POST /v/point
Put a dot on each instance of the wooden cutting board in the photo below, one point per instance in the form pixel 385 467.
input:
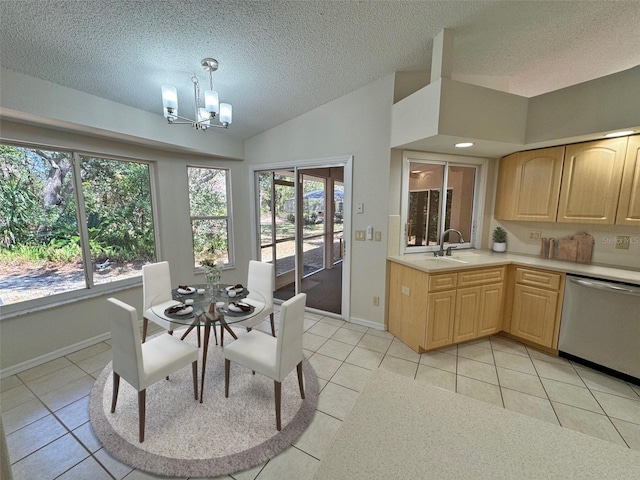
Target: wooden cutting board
pixel 584 247
pixel 567 249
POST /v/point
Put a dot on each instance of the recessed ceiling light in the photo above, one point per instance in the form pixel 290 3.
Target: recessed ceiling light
pixel 619 134
pixel 464 144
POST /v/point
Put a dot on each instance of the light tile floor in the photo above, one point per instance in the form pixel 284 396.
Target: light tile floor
pixel 46 418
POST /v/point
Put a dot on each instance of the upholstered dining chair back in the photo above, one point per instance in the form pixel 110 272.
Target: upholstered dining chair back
pixel 272 357
pixel 143 364
pixel 156 284
pixel 125 342
pixel 261 279
pixel 289 341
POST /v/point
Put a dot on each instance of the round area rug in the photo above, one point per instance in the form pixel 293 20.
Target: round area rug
pixel 185 438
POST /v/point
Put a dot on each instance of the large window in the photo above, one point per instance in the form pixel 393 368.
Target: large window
pixel 70 221
pixel 438 195
pixel 210 214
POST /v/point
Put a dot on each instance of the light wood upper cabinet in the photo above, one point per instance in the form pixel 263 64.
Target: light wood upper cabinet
pixel 629 202
pixel 529 185
pixel 591 179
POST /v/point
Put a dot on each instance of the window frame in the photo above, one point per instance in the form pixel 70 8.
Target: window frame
pixel 90 289
pixel 230 264
pixel 446 161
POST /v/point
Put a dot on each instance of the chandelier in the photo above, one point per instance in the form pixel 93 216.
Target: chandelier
pixel 204 116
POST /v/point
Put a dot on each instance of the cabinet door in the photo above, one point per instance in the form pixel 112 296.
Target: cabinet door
pixel 534 314
pixel 529 185
pixel 407 304
pixel 491 310
pixel 591 178
pixel 468 302
pixel 629 202
pixel 440 317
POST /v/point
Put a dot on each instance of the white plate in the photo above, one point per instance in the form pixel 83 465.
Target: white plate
pixel 236 309
pixel 185 311
pixel 237 290
pixel 186 291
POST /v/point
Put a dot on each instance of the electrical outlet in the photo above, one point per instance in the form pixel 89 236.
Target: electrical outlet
pixel 377 236
pixel 622 242
pixel 534 235
pixel 360 235
pixel 376 301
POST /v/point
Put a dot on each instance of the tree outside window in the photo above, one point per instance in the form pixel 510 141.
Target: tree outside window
pixel 209 211
pixel 44 249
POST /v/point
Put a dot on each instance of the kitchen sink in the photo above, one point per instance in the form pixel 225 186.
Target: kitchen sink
pixel 445 260
pixel 458 257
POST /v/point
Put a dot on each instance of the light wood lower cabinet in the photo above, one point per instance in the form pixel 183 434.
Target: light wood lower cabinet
pixel 440 317
pixel 537 302
pixel 407 304
pixel 463 306
pixel 427 311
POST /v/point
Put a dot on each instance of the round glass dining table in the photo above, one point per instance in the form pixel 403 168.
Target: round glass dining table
pixel 208 308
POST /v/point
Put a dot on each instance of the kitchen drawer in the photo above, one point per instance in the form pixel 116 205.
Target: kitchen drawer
pixel 538 278
pixel 445 281
pixel 472 278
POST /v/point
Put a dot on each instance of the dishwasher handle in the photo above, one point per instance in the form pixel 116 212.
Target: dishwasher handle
pixel 626 290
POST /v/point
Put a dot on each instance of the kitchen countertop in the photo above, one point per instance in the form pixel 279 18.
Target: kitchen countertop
pixel 466 259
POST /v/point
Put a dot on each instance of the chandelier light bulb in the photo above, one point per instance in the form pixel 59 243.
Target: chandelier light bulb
pixel 204 116
pixel 225 113
pixel 211 102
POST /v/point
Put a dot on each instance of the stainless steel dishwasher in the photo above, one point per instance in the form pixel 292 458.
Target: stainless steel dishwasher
pixel 600 325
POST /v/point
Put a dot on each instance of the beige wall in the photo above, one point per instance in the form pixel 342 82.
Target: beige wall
pixel 356 124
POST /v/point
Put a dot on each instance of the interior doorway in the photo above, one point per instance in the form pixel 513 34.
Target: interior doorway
pixel 301 213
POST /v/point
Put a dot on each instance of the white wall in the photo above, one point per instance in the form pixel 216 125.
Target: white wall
pixel 357 124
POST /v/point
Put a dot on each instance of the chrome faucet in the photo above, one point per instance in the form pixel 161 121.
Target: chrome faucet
pixel 441 252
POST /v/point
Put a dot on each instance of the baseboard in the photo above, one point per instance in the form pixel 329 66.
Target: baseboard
pixel 367 323
pixel 34 362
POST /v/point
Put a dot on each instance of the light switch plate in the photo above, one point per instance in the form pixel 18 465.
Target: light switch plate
pixel 360 235
pixel 377 236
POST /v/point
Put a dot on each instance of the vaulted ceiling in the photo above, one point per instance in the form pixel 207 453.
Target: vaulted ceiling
pixel 279 59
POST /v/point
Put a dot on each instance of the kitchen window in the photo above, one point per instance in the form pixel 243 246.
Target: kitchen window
pixel 210 211
pixel 70 221
pixel 439 193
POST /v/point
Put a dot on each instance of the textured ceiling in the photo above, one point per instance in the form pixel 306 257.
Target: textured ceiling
pixel 279 59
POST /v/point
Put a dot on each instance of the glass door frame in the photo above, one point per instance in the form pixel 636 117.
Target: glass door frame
pixel 346 163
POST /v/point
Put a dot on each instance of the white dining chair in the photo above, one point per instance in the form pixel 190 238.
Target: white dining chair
pixel 156 292
pixel 261 279
pixel 143 364
pixel 261 283
pixel 271 356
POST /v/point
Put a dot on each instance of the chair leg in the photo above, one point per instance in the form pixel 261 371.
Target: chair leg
pixel 142 410
pixel 227 367
pixel 278 389
pixel 300 384
pixel 273 325
pixel 114 395
pixel 194 368
pixel 145 325
pixel 221 335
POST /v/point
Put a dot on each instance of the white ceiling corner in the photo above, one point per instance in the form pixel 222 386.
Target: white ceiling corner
pixel 279 59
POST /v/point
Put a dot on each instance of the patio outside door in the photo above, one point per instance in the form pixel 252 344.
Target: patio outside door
pixel 301 213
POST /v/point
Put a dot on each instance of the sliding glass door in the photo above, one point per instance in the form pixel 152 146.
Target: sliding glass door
pixel 300 221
